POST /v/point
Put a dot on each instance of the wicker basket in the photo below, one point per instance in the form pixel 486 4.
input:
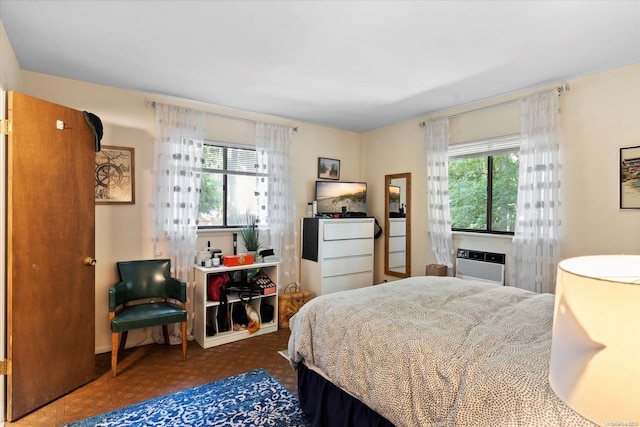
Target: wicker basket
pixel 289 302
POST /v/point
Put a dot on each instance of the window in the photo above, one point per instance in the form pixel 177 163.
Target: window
pixel 483 185
pixel 228 185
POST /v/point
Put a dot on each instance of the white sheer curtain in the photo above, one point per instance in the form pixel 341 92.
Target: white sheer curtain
pixel 536 241
pixel 276 195
pixel 179 137
pixel 437 146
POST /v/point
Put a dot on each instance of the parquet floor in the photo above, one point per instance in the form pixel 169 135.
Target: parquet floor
pixel 155 370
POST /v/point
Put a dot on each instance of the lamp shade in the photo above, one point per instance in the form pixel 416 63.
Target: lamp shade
pixel 595 349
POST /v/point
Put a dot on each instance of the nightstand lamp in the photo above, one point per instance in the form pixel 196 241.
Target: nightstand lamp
pixel 595 350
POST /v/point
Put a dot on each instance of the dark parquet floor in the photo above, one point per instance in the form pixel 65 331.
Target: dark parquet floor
pixel 154 370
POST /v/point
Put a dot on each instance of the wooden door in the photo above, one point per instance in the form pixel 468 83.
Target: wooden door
pixel 50 232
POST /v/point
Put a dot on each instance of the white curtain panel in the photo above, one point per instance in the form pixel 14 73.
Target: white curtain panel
pixel 536 241
pixel 179 138
pixel 439 215
pixel 276 195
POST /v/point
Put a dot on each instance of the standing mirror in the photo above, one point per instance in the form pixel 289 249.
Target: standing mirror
pixel 397 239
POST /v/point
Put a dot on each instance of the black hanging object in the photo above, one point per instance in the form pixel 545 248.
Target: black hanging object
pixel 379 230
pixel 95 124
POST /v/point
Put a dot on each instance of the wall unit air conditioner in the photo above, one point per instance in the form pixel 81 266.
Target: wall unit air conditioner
pixel 482 266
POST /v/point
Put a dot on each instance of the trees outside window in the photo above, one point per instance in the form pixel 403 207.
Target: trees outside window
pixel 228 186
pixel 483 191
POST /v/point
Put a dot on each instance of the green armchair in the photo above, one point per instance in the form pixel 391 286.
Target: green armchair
pixel 146 296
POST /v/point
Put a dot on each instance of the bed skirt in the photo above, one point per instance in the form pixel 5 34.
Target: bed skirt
pixel 327 405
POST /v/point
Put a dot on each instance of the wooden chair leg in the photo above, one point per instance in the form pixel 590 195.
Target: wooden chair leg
pixel 165 333
pixel 114 353
pixel 184 341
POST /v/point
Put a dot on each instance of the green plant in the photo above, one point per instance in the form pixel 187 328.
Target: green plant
pixel 250 234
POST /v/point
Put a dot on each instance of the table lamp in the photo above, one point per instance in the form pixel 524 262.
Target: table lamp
pixel 595 349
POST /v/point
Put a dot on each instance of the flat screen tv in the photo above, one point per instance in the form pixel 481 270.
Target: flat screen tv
pixel 341 197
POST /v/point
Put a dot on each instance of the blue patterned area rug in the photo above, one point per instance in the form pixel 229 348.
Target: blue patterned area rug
pixel 254 398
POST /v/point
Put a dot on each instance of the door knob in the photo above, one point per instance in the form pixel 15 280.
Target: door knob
pixel 89 261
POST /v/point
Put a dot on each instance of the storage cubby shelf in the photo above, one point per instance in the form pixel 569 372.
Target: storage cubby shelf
pixel 206 311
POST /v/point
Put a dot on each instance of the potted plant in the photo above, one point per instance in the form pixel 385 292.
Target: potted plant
pixel 250 235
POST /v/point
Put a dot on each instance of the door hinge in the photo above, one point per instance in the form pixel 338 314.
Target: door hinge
pixel 5 127
pixel 3 367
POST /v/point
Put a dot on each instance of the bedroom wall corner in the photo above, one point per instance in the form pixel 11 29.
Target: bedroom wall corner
pixel 10 72
pixel 600 115
pixel 397 149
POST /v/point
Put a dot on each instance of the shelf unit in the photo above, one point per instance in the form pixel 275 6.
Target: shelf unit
pixel 205 309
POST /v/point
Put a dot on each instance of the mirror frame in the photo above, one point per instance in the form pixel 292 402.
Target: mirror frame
pixel 387 182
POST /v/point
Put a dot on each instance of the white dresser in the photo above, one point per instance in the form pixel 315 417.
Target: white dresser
pixel 337 254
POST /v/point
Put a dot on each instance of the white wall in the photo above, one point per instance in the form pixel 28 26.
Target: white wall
pixel 600 114
pixel 9 67
pixel 392 150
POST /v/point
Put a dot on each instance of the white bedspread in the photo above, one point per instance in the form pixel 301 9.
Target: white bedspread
pixel 437 351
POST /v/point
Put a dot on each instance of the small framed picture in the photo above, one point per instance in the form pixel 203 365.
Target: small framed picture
pixel 328 168
pixel 630 178
pixel 115 168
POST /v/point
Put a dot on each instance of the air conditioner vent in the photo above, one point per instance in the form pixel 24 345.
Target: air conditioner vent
pixel 479 265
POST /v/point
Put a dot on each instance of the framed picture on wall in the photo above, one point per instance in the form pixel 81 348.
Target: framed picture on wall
pixel 328 168
pixel 115 174
pixel 630 178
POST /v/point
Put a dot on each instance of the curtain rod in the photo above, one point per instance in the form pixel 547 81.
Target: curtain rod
pixel 153 104
pixel 560 89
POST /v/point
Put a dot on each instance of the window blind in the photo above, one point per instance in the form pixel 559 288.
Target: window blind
pixel 489 146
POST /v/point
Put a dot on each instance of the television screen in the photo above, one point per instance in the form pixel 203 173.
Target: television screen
pixel 340 197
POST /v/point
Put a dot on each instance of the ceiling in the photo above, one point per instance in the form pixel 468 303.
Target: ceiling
pixel 351 65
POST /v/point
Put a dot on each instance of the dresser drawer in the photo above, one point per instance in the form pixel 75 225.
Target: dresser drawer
pixel 397 244
pixel 397 260
pixel 342 248
pixel 348 229
pixel 349 265
pixel 397 227
pixel 346 282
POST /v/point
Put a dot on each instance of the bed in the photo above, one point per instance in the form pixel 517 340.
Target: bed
pixel 427 351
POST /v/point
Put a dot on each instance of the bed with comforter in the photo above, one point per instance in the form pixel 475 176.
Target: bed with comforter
pixel 428 351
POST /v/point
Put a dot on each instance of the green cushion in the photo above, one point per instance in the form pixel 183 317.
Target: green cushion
pixel 146 315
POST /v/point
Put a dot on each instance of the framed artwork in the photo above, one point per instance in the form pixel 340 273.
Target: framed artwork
pixel 115 173
pixel 328 168
pixel 630 178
